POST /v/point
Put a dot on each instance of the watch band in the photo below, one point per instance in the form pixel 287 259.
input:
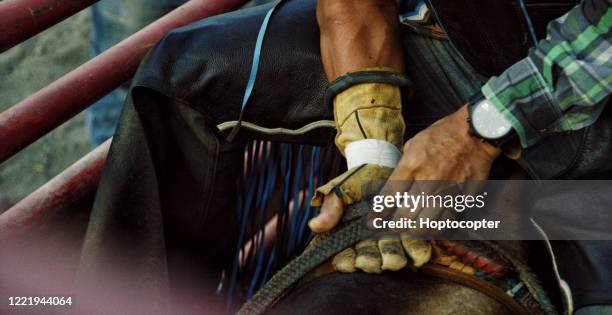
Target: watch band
pixel 502 142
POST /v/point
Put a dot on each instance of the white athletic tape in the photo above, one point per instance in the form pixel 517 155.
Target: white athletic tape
pixel 372 151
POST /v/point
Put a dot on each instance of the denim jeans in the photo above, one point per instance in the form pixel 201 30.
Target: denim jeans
pixel 113 21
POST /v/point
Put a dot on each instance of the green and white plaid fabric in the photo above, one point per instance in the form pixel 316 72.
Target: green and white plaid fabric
pixel 564 82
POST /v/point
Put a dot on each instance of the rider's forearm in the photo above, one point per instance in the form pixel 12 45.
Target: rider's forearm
pixel 359 34
pixel 361 37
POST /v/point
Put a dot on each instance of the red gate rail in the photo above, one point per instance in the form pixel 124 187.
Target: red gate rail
pixel 74 184
pixel 22 19
pixel 48 108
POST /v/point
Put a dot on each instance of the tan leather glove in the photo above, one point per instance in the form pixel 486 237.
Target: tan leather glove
pixel 370 112
pixel 364 111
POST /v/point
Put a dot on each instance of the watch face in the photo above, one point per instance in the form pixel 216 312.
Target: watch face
pixel 488 122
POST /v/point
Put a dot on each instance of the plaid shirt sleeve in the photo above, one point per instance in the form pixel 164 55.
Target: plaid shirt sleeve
pixel 564 82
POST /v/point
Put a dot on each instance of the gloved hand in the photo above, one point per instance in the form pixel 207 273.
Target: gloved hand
pixel 370 131
pixel 388 254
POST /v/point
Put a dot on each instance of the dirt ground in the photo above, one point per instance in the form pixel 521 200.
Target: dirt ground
pixel 25 69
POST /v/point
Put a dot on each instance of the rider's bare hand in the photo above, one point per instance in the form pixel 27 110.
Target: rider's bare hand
pixel 446 151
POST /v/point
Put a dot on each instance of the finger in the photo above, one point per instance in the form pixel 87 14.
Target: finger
pixel 440 213
pixel 427 208
pixel 392 253
pixel 368 257
pixel 419 251
pixel 400 181
pixel 392 188
pixel 345 261
pixel 462 267
pixel 329 215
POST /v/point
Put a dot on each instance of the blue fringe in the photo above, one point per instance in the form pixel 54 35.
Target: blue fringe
pixel 278 179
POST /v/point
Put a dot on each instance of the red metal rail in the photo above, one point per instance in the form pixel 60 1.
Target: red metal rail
pixel 48 108
pixel 22 19
pixel 74 184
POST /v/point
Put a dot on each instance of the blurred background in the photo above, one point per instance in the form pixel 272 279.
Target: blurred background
pixel 25 69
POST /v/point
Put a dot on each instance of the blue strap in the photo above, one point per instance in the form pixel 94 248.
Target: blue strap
pixel 254 68
pixel 527 18
pixel 257 56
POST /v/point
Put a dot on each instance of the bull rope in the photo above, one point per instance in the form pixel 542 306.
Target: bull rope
pixel 343 237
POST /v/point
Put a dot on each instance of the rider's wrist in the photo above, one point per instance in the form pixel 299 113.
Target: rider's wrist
pixel 483 146
pixel 492 151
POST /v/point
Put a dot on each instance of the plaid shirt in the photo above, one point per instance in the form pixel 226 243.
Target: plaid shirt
pixel 564 82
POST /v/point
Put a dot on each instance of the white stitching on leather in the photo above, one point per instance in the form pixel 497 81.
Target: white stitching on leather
pixel 278 131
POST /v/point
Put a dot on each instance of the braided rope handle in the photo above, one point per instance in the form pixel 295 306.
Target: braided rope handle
pixel 311 258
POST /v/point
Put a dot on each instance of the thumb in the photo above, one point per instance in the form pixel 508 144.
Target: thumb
pixel 329 215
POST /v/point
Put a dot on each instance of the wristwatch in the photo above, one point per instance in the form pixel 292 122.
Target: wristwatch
pixel 489 124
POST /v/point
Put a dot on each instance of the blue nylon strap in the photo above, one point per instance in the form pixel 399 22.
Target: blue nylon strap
pixel 527 18
pixel 254 67
pixel 257 56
